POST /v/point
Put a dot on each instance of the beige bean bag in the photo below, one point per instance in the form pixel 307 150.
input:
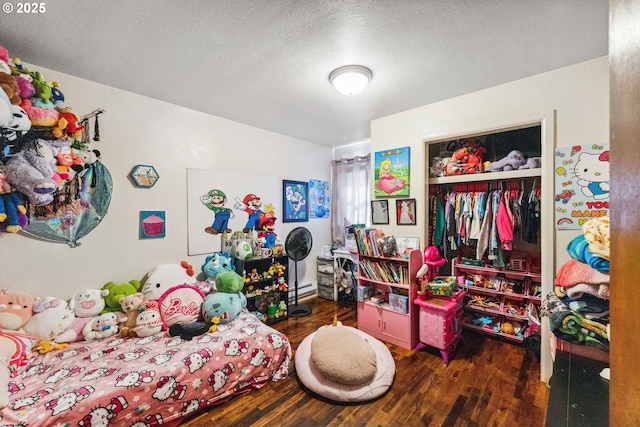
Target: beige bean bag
pixel 344 364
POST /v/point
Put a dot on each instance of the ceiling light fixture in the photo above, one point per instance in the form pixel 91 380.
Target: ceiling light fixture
pixel 350 79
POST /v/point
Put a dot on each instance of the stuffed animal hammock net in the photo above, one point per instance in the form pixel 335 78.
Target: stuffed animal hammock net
pixel 79 208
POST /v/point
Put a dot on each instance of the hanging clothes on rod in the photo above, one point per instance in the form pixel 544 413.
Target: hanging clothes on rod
pixel 489 216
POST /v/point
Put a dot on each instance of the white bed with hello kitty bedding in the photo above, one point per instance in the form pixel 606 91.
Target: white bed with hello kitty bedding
pixel 145 381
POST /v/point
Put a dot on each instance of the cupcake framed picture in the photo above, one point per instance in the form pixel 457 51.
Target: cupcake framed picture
pixel 152 224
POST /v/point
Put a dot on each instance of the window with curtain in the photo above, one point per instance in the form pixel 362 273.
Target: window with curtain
pixel 350 194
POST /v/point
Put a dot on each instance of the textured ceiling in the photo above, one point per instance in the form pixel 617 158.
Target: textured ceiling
pixel 266 63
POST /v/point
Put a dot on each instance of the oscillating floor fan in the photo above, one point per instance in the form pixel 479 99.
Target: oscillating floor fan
pixel 298 245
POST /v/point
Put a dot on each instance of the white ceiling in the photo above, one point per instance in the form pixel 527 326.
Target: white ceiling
pixel 266 63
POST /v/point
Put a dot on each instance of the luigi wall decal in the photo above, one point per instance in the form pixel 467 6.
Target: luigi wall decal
pixel 215 201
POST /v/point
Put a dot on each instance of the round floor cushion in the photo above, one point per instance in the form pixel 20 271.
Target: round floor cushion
pixel 343 356
pixel 312 377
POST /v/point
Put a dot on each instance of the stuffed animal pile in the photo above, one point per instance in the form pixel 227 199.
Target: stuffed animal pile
pixel 42 145
pixel 169 300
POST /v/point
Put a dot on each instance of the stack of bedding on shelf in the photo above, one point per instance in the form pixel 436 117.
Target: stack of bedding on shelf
pixel 578 309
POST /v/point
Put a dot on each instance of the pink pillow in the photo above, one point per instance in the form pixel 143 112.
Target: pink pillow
pixel 180 305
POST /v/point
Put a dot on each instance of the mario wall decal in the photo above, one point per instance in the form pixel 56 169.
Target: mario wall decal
pixel 250 204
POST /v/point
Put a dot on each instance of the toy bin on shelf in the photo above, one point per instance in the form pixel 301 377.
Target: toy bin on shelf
pixel 440 324
pixel 443 285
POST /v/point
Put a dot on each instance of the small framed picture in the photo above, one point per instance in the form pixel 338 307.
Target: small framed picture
pixel 406 211
pixel 295 201
pixel 406 244
pixel 152 224
pixel 380 212
pixel 144 176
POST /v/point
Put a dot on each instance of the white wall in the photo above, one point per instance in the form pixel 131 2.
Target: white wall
pixel 139 130
pixel 349 151
pixel 579 94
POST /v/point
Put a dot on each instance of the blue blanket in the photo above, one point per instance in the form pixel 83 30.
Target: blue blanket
pixel 578 249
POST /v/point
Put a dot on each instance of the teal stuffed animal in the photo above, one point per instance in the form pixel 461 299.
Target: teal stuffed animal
pixel 217 263
pixel 223 305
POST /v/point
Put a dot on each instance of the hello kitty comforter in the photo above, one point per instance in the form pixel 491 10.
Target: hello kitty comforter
pixel 146 381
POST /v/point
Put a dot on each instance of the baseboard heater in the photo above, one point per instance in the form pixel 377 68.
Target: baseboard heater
pixel 302 293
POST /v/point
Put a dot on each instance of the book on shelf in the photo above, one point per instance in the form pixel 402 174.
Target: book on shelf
pixel 384 271
pixel 368 241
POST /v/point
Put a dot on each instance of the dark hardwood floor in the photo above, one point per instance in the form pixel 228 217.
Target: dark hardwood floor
pixel 487 383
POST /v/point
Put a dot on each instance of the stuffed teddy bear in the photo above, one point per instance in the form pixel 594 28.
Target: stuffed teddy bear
pixel 130 304
pixel 31 175
pixel 148 321
pixel 511 161
pixel 103 326
pixel 53 320
pixel 164 276
pixel 10 86
pixel 117 291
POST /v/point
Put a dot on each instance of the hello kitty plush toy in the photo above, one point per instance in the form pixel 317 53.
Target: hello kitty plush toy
pixel 165 276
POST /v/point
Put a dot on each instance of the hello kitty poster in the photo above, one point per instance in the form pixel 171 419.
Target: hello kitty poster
pixel 581 184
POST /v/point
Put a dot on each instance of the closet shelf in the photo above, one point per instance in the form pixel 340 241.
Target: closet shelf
pixel 487 176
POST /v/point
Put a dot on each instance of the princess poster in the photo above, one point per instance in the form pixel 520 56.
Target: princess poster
pixel 392 172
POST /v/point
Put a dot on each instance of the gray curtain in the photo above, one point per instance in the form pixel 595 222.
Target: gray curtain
pixel 350 195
